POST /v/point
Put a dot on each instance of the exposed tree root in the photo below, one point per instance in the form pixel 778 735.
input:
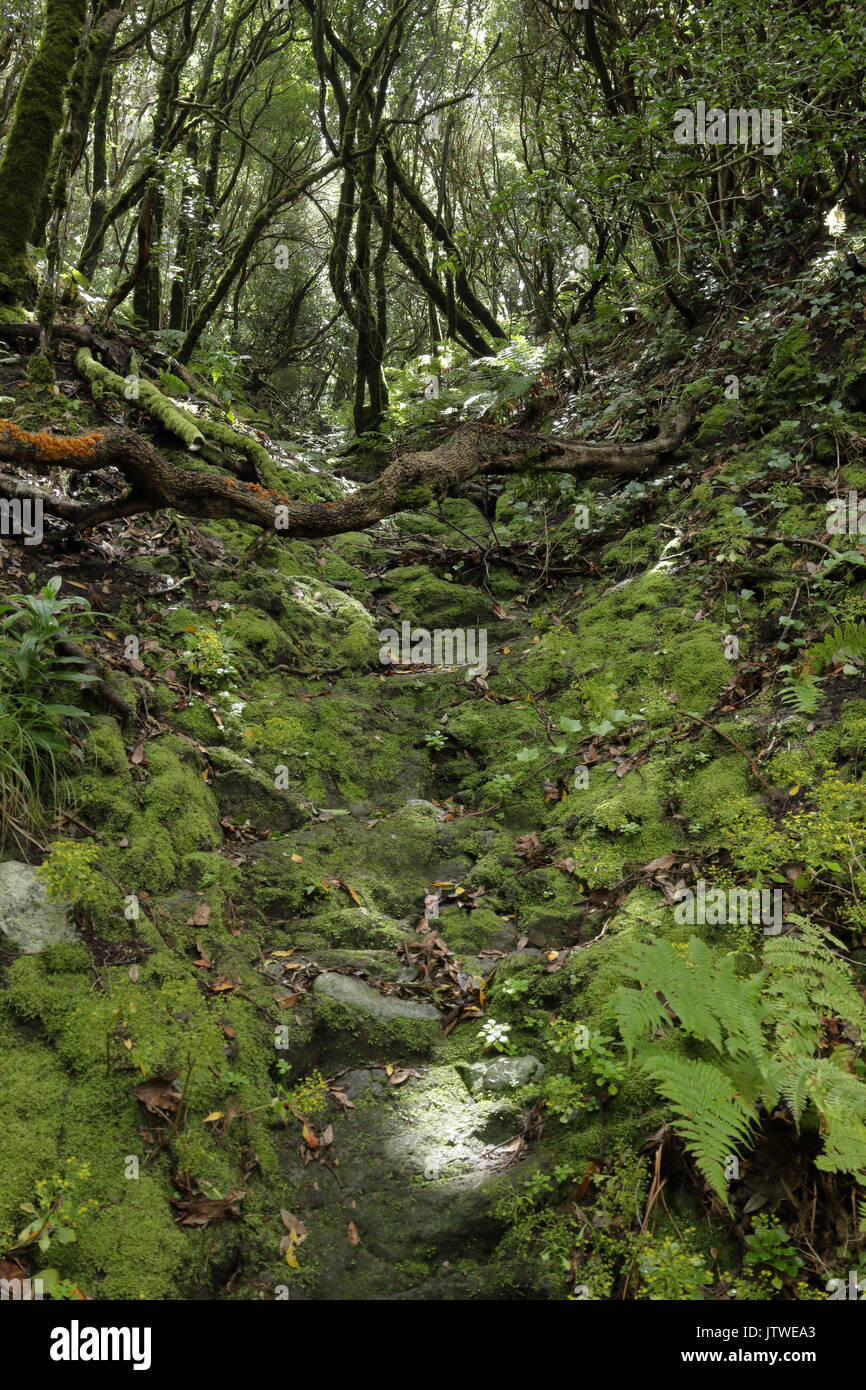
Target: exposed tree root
pixel 99 687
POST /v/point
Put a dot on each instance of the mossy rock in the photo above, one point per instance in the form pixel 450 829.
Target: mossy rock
pixel 434 603
pixel 244 793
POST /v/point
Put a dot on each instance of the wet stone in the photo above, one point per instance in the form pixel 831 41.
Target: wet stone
pixel 501 1073
pixel 346 989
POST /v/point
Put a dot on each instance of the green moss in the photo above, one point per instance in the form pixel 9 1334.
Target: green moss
pixel 721 424
pixel 434 603
pixel 40 369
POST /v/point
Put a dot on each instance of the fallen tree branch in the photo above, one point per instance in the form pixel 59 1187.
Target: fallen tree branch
pixel 156 482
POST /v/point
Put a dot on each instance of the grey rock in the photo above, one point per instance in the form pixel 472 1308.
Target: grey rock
pixel 347 989
pixel 502 1073
pixel 29 919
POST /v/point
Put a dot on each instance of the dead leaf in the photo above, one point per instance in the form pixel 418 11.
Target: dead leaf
pixel 353 1233
pixel 286 1001
pixel 159 1095
pixel 200 917
pixel 133 973
pixel 213 1117
pixel 292 1223
pixel 202 1210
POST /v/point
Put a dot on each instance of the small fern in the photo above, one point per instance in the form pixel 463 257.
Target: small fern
pixel 847 643
pixel 759 1039
pixel 801 693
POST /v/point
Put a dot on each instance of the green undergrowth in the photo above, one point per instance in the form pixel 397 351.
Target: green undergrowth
pixel 293 794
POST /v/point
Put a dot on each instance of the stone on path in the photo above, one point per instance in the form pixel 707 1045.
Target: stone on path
pixel 502 1073
pixel 348 989
pixel 29 919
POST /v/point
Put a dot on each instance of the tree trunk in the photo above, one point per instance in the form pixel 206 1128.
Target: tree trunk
pixel 37 118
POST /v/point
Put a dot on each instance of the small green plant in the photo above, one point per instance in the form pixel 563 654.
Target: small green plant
pixel 496 1035
pixel 55 1209
pixel 500 785
pixel 594 1070
pixel 31 626
pixel 68 871
pixel 307 1098
pixel 435 739
pixel 208 656
pixel 32 741
pixel 770 1253
pixel 670 1270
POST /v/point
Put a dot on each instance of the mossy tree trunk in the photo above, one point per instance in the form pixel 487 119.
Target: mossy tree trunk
pixel 37 118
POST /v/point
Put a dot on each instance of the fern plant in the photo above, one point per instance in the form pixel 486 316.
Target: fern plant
pixel 843 644
pixel 747 1041
pixel 801 693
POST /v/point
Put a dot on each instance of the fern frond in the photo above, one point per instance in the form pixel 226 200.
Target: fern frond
pixel 806 984
pixel 711 1117
pixel 846 643
pixel 801 693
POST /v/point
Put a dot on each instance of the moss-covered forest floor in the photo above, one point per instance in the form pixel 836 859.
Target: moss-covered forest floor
pixel 344 871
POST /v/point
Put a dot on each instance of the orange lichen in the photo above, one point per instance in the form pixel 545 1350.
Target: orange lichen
pixel 51 447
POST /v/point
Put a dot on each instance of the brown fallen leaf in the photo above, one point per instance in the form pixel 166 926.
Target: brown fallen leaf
pixel 137 754
pixel 353 1233
pixel 286 1001
pixel 309 1137
pixel 200 917
pixel 133 973
pixel 200 1211
pixel 159 1095
pixel 401 1074
pixel 292 1223
pixel 665 862
pixel 327 1135
pixel 221 983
